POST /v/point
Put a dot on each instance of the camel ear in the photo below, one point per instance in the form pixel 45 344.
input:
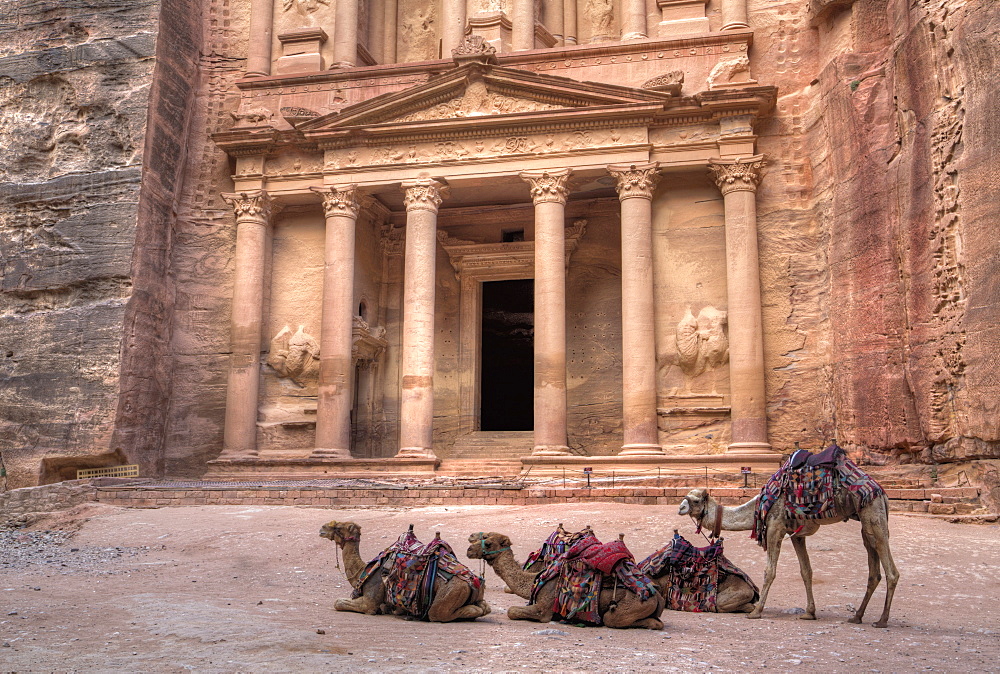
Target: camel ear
pixel 354 528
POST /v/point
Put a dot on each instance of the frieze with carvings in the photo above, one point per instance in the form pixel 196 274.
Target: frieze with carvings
pixel 467 256
pixel 484 148
pixel 292 165
pixel 478 101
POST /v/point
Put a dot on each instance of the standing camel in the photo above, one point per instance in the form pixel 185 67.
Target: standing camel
pixel 617 609
pixel 874 517
pixel 454 598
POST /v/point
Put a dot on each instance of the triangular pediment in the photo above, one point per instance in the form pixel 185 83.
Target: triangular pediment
pixel 477 91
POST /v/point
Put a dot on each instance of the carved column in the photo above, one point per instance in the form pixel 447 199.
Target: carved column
pixel 389 44
pixel 376 29
pixel 633 19
pixel 549 190
pixel 569 22
pixel 555 19
pixel 452 25
pixel 636 183
pixel 333 413
pixel 523 29
pixel 416 425
pixel 738 179
pixel 734 15
pixel 253 214
pixel 345 34
pixel 259 48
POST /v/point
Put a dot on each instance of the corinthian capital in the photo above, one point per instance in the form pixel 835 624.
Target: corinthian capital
pixel 548 185
pixel 255 205
pixel 339 200
pixel 635 180
pixel 424 193
pixel 737 175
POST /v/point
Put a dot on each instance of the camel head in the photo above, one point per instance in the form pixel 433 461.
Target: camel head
pixel 340 532
pixel 487 545
pixel 695 504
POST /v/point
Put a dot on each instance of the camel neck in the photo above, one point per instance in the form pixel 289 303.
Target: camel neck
pixel 510 571
pixel 353 564
pixel 739 518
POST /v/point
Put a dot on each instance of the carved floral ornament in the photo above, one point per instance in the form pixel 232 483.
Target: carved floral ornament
pixel 339 200
pixel 254 205
pixel 422 194
pixel 548 185
pixel 635 180
pixel 738 175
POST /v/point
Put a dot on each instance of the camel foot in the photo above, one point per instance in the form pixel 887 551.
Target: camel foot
pixel 880 623
pixel 807 616
pixel 524 613
pixel 650 624
pixel 484 607
pixel 753 615
pixel 855 620
pixel 507 590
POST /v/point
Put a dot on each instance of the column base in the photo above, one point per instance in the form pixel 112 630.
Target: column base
pixel 736 25
pixel 640 449
pixel 237 454
pixel 627 37
pixel 415 453
pixel 330 453
pixel 551 450
pixel 749 448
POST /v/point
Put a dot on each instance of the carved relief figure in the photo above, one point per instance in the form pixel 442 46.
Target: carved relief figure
pixel 419 41
pixel 724 71
pixel 601 14
pixel 303 6
pixel 702 344
pixel 294 356
pixel 488 6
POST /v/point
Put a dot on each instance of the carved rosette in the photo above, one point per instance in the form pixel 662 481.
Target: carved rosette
pixel 635 180
pixel 548 185
pixel 254 205
pixel 739 175
pixel 423 194
pixel 339 200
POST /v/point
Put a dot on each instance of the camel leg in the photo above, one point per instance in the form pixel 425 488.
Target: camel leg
pixel 360 605
pixel 540 611
pixel 734 596
pixel 775 535
pixel 805 568
pixel 880 538
pixel 633 612
pixel 874 577
pixel 450 599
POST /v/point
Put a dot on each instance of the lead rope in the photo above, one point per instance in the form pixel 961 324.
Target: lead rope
pixel 336 555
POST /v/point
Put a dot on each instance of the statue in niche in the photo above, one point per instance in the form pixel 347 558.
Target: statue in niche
pixel 601 14
pixel 294 356
pixel 418 36
pixel 303 7
pixel 702 344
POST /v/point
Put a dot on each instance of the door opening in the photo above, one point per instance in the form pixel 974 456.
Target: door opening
pixel 507 368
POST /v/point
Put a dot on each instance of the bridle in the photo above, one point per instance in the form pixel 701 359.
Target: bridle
pixel 485 553
pixel 717 529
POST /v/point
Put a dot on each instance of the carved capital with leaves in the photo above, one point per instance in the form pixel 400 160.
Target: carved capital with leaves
pixel 254 205
pixel 422 194
pixel 737 175
pixel 339 200
pixel 635 180
pixel 548 185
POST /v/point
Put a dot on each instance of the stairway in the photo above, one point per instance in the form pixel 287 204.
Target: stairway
pixel 508 445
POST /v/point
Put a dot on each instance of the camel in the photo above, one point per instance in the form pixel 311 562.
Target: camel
pixel 733 594
pixel 617 607
pixel 874 518
pixel 454 598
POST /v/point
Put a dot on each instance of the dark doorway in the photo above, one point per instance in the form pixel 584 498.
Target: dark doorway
pixel 508 356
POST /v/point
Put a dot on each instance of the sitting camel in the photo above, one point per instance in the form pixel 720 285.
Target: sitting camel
pixel 454 598
pixel 735 592
pixel 617 607
pixel 874 517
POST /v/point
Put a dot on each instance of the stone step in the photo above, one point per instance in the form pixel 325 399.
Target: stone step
pixel 493 445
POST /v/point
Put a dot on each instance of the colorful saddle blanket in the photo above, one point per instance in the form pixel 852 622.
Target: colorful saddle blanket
pixel 694 574
pixel 554 546
pixel 409 570
pixel 809 484
pixel 580 571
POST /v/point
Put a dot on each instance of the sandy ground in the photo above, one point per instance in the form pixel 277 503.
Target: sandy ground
pixel 250 589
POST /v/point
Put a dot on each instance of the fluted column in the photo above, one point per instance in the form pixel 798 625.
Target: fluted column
pixel 452 25
pixel 416 424
pixel 333 413
pixel 345 34
pixel 636 183
pixel 633 19
pixel 253 213
pixel 737 180
pixel 734 15
pixel 523 29
pixel 389 43
pixel 569 22
pixel 549 190
pixel 555 20
pixel 259 47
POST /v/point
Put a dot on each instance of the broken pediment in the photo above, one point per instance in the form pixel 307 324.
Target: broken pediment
pixel 476 90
